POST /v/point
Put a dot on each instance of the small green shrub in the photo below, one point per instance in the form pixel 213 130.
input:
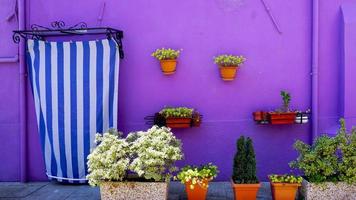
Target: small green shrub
pixel 166 54
pixel 197 174
pixel 286 100
pixel 183 112
pixel 286 178
pixel 347 164
pixel 244 167
pixel 328 159
pixel 229 60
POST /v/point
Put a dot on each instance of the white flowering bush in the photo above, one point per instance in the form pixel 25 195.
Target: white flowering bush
pixel 151 155
pixel 154 153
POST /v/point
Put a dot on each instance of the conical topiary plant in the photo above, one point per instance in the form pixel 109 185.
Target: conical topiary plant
pixel 238 175
pixel 244 181
pixel 244 169
pixel 250 163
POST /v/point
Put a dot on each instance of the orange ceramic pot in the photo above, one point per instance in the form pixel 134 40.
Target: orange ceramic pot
pixel 181 122
pixel 228 73
pixel 198 192
pixel 284 191
pixel 168 66
pixel 245 191
pixel 282 118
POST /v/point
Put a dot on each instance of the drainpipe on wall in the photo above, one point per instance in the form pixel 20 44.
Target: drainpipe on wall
pixel 315 70
pixel 22 96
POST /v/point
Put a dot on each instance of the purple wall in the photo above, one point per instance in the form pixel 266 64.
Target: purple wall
pixel 202 29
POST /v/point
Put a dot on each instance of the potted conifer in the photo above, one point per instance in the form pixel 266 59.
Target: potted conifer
pixel 196 180
pixel 228 65
pixel 168 59
pixel 244 180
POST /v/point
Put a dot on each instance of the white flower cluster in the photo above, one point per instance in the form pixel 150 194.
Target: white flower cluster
pixel 150 154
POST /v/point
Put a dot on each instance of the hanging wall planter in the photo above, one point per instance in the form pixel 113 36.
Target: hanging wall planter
pixel 168 59
pixel 283 115
pixel 228 65
pixel 179 117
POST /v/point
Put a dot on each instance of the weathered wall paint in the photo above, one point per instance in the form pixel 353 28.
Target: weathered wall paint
pixel 202 29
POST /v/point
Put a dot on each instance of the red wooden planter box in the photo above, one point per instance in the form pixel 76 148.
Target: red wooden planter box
pixel 178 122
pixel 282 118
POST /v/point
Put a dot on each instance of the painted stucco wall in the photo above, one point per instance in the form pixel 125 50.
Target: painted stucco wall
pixel 202 29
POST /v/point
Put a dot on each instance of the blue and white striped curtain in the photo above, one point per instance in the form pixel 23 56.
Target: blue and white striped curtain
pixel 75 89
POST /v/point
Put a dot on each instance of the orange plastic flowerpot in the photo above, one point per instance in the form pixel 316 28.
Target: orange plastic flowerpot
pixel 282 118
pixel 284 191
pixel 198 192
pixel 178 122
pixel 168 66
pixel 245 191
pixel 228 73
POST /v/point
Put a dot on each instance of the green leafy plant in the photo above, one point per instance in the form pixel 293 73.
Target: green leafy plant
pixel 150 154
pixel 166 54
pixel 328 159
pixel 347 164
pixel 182 112
pixel 286 101
pixel 244 167
pixel 197 175
pixel 229 60
pixel 286 178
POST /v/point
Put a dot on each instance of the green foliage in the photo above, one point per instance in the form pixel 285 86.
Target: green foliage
pixel 183 112
pixel 286 178
pixel 229 60
pixel 347 165
pixel 328 158
pixel 244 167
pixel 166 54
pixel 286 100
pixel 197 174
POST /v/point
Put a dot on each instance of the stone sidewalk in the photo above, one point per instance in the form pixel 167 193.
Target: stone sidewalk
pixel 55 191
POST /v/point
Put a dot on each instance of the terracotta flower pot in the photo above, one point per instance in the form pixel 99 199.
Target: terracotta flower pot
pixel 282 118
pixel 228 73
pixel 178 122
pixel 198 192
pixel 245 191
pixel 284 191
pixel 257 116
pixel 168 66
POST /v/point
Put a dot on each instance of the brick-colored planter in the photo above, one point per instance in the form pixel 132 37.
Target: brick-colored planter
pixel 328 191
pixel 134 190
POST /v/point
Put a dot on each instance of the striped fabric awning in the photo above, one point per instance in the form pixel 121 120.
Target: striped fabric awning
pixel 75 89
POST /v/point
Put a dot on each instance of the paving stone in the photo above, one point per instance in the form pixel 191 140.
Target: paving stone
pixel 56 191
pixel 19 190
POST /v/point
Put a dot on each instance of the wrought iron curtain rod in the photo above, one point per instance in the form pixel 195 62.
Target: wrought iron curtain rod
pixel 58 29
